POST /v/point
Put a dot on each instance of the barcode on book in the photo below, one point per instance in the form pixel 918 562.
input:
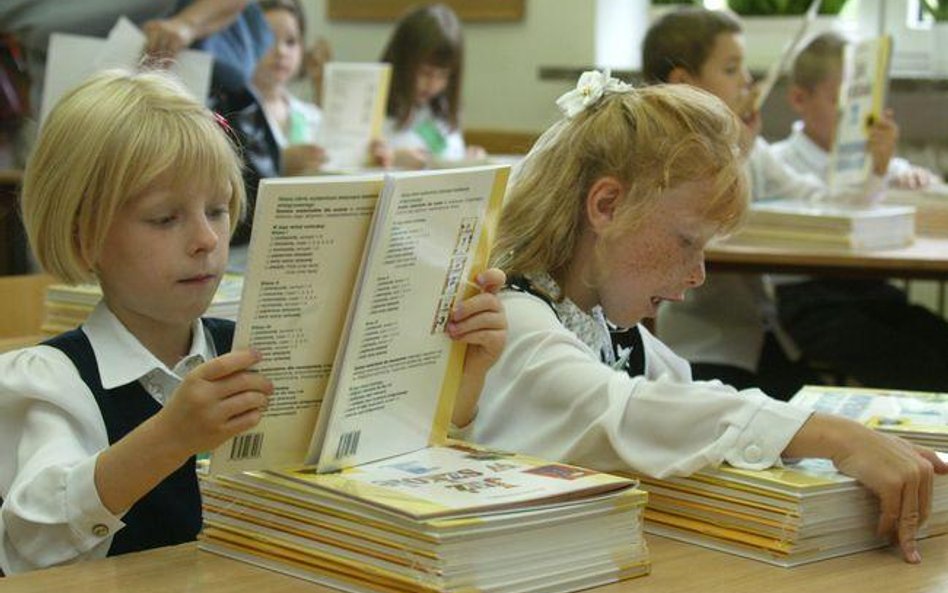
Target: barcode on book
pixel 348 444
pixel 247 446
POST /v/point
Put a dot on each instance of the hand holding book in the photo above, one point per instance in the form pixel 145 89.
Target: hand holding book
pixel 479 322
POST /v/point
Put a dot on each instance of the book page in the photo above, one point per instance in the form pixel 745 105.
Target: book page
pixel 73 58
pixel 307 241
pixel 354 102
pixel 397 373
pixel 861 95
pixel 776 69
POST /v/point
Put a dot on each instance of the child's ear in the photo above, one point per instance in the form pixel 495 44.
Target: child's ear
pixel 679 75
pixel 796 97
pixel 602 201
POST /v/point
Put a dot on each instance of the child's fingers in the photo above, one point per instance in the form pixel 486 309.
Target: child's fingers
pixel 477 304
pixel 484 321
pixel 491 280
pixel 227 364
pixel 240 382
pixel 241 403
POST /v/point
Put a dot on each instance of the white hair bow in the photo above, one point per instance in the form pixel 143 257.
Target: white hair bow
pixel 592 85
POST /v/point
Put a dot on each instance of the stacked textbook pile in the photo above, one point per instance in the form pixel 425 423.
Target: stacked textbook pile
pixel 917 416
pixel 450 518
pixel 67 306
pixel 349 479
pixel 784 516
pixel 826 225
pixel 931 205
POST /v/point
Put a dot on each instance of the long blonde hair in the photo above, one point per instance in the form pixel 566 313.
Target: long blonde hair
pixel 651 140
pixel 106 142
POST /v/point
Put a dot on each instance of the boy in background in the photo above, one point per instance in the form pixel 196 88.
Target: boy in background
pixel 863 328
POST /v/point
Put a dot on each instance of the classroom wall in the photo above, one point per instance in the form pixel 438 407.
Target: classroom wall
pixel 502 89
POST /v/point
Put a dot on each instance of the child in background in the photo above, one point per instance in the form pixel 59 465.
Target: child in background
pixel 99 426
pixel 295 123
pixel 607 217
pixel 729 329
pixel 864 328
pixel 426 52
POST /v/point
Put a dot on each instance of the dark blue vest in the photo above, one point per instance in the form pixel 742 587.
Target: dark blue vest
pixel 171 512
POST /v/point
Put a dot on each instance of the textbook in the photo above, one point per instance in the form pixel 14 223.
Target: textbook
pixel 827 225
pixel 349 285
pixel 67 306
pixel 931 206
pixel 804 512
pixel 862 94
pixel 354 100
pixel 917 416
pixel 776 69
pixel 452 518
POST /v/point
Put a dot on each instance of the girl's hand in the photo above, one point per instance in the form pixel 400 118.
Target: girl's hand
pixel 381 154
pixel 914 178
pixel 475 153
pixel 883 137
pixel 480 322
pixel 217 400
pixel 899 473
pixel 300 159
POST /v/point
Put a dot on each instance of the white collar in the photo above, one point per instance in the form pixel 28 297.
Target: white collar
pixel 122 359
pixel 813 156
pixel 590 327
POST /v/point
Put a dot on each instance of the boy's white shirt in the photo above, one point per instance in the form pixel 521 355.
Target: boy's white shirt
pixel 550 395
pixel 51 432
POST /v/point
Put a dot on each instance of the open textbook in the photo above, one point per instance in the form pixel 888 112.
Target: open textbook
pixel 361 366
pixel 354 102
pixel 73 58
pixel 862 94
pixel 776 69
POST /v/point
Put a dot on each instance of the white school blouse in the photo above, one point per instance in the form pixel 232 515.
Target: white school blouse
pixel 51 432
pixel 549 395
pixel 406 137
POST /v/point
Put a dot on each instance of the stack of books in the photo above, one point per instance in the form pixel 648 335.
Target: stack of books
pixel 784 516
pixel 931 205
pixel 453 518
pixel 917 416
pixel 827 225
pixel 67 307
pixel 349 286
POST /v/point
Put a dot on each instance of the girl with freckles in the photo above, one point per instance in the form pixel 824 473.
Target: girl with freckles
pixel 608 217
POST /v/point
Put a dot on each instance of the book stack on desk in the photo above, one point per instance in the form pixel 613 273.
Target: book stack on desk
pixel 917 416
pixel 931 205
pixel 68 306
pixel 784 516
pixel 824 225
pixel 453 518
pixel 349 285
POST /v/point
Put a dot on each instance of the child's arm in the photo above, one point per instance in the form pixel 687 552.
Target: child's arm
pixel 167 37
pixel 898 472
pixel 216 400
pixel 480 322
pixel 302 159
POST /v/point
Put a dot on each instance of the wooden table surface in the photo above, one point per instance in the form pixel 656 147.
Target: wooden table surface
pixel 676 567
pixel 926 258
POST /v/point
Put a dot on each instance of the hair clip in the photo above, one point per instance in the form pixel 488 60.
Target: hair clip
pixel 590 87
pixel 224 124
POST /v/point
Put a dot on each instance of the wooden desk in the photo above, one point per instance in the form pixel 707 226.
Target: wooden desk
pixel 676 568
pixel 926 258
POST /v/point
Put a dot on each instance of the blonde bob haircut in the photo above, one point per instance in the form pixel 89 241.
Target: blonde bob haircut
pixel 650 140
pixel 108 141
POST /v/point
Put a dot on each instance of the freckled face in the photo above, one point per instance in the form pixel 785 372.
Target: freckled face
pixel 660 259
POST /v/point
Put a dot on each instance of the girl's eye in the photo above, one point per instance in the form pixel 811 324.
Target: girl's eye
pixel 218 212
pixel 162 220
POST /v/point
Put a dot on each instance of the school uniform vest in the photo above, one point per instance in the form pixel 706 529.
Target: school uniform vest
pixel 626 342
pixel 171 512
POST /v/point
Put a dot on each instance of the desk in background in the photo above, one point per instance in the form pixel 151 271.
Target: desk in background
pixel 927 258
pixel 676 568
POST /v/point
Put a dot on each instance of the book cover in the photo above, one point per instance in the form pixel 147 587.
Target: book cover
pixel 347 289
pixel 354 101
pixel 862 93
